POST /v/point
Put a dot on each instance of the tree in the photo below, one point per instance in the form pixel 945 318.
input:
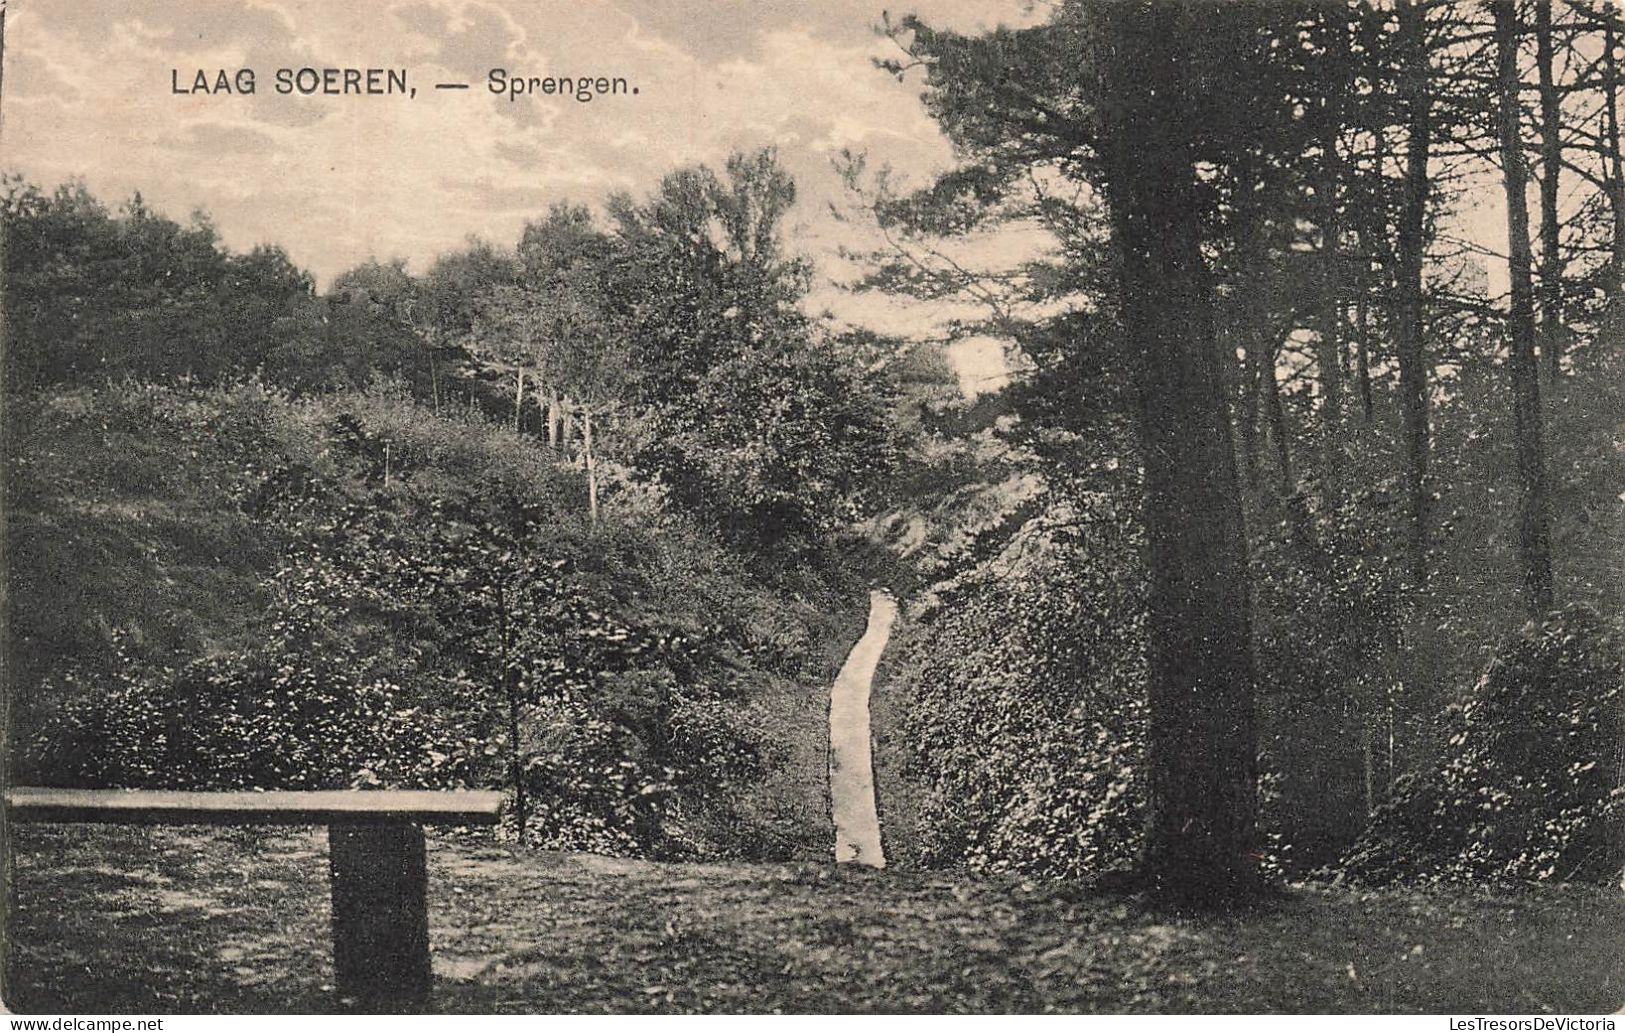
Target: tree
pixel 1119 94
pixel 369 331
pixel 1416 90
pixel 591 367
pixel 1551 152
pixel 754 417
pixel 1534 532
pixel 1328 190
pixel 571 263
pixel 453 307
pixel 570 268
pixel 1203 745
pixel 1613 159
pixel 494 622
pixel 510 329
pixel 96 296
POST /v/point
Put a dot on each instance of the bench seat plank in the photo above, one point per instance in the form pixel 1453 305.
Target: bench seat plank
pixel 312 807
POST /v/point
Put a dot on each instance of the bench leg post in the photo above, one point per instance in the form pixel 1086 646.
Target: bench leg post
pixel 380 915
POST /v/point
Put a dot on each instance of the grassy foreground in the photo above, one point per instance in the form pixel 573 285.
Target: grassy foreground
pixel 118 919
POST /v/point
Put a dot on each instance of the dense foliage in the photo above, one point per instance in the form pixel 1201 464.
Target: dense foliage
pixel 1020 681
pixel 95 296
pixel 1529 786
pixel 1412 489
pixel 758 418
pixel 350 590
pixel 561 517
pixel 671 345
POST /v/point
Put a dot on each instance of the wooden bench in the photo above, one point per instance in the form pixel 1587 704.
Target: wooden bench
pixel 376 862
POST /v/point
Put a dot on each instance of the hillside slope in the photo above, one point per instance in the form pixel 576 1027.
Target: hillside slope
pixel 165 540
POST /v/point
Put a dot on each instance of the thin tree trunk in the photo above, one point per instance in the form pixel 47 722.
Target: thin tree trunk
pixel 1368 762
pixel 1611 141
pixel 1202 740
pixel 1387 780
pixel 434 379
pixel 1551 150
pixel 1416 86
pixel 516 768
pixel 1362 341
pixel 592 465
pixel 1280 436
pixel 518 397
pixel 553 418
pixel 1619 776
pixel 1247 412
pixel 1534 535
pixel 1328 354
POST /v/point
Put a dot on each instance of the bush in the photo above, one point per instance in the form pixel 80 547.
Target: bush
pixel 395 574
pixel 272 719
pixel 1530 789
pixel 1024 690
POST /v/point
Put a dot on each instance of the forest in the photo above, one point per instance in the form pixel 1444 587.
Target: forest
pixel 1289 553
pixel 1299 530
pixel 555 516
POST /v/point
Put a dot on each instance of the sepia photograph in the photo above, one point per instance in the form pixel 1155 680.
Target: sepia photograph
pixel 773 507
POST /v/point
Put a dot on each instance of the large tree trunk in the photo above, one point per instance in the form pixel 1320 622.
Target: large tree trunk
pixel 1249 348
pixel 1551 157
pixel 1417 89
pixel 1232 373
pixel 1202 742
pixel 1534 535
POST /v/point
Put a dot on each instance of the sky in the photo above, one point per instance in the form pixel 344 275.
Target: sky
pixel 336 180
pixel 90 92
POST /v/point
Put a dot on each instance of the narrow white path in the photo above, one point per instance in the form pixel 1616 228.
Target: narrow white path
pixel 851 771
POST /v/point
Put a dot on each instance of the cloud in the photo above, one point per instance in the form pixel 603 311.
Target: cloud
pixel 31 74
pixel 223 138
pixel 178 27
pixel 465 39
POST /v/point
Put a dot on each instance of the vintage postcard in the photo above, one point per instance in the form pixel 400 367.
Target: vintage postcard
pixel 758 506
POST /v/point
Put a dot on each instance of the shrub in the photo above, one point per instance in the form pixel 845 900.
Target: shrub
pixel 1530 787
pixel 272 720
pixel 1024 692
pixel 394 576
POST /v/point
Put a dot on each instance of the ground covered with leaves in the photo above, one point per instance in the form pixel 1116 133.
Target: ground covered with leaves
pixel 124 919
